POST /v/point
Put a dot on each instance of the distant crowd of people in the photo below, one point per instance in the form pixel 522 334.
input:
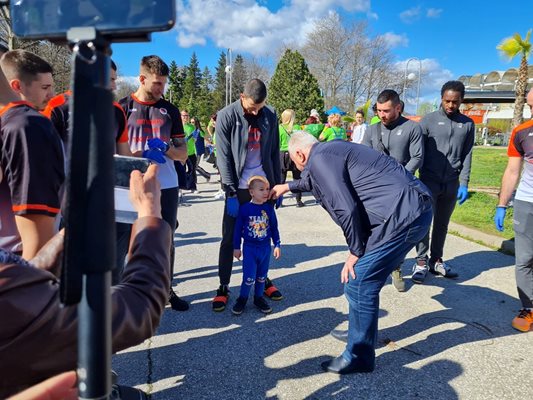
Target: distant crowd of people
pixel 364 177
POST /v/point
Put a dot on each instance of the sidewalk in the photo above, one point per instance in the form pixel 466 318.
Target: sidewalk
pixel 441 340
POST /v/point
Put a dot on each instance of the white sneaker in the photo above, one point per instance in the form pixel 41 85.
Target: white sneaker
pixel 219 195
pixel 419 273
pixel 442 269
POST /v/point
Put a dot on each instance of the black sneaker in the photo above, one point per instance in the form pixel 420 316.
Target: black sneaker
pixel 272 291
pixel 238 308
pixel 263 306
pixel 176 303
pixel 220 300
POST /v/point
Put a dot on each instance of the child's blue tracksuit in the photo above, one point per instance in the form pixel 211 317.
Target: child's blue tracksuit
pixel 256 224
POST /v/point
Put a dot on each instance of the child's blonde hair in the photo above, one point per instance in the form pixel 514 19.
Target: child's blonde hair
pixel 252 182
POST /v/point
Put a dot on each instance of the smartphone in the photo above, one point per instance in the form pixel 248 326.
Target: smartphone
pixel 123 167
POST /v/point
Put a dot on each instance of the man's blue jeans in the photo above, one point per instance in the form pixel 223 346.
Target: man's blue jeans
pixel 362 293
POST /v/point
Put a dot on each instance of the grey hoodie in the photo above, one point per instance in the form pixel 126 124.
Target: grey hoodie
pixel 448 144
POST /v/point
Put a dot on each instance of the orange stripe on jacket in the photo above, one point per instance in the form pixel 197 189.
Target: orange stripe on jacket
pixel 40 207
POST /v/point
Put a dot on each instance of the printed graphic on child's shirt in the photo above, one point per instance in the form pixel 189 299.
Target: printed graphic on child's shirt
pixel 258 225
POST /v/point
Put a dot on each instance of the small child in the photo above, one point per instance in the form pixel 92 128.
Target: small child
pixel 256 224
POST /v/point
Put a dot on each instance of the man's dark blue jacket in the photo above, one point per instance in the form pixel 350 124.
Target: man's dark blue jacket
pixel 368 194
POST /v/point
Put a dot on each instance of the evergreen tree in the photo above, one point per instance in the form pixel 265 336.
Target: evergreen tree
pixel 205 99
pixel 239 77
pixel 219 91
pixel 293 86
pixel 176 78
pixel 191 85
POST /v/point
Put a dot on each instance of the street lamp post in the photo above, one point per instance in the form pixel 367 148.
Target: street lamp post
pixel 411 77
pixel 229 76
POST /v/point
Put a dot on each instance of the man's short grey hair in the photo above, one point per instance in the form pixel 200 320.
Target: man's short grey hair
pixel 301 140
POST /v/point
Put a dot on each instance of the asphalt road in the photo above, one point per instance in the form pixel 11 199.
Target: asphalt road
pixel 446 339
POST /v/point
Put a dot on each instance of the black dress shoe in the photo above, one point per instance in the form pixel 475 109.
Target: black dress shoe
pixel 342 367
pixel 340 335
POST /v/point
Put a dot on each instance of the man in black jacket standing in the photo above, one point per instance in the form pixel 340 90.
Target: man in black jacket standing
pixel 448 143
pixel 383 211
pixel 247 141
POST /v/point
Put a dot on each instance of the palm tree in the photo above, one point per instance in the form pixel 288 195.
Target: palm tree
pixel 510 48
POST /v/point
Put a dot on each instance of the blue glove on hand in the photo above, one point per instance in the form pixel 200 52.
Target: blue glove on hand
pixel 279 201
pixel 500 217
pixel 232 206
pixel 158 144
pixel 155 155
pixel 462 194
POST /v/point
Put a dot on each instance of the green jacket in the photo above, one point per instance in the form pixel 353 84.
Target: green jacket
pixel 284 136
pixel 314 129
pixel 334 133
pixel 191 147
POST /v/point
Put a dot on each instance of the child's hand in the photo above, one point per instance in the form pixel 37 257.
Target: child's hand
pixel 237 254
pixel 277 252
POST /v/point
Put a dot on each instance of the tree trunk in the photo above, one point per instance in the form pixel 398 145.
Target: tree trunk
pixel 520 100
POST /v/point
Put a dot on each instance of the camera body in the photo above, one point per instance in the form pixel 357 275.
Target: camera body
pixel 117 21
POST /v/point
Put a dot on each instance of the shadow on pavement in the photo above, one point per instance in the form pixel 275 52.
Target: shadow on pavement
pixel 237 363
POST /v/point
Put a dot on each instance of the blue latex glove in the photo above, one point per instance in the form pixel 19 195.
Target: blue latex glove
pixel 158 144
pixel 279 201
pixel 462 194
pixel 232 206
pixel 499 218
pixel 155 155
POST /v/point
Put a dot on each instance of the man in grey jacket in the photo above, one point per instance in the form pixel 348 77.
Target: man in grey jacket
pixel 448 143
pixel 400 138
pixel 247 141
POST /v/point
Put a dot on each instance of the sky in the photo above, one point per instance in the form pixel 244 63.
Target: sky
pixel 451 38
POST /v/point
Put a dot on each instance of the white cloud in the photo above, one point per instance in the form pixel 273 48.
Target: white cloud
pixel 394 40
pixel 433 12
pixel 433 77
pixel 249 26
pixel 410 15
pixel 372 15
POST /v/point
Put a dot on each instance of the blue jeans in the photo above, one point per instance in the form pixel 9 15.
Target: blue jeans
pixel 362 293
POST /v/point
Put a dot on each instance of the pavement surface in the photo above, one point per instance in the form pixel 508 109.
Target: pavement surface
pixel 446 339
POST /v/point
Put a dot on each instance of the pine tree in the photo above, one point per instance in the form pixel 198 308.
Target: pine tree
pixel 239 77
pixel 191 86
pixel 176 78
pixel 293 86
pixel 219 91
pixel 205 99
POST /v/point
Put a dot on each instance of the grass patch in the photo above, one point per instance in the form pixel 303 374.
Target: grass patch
pixel 478 213
pixel 488 165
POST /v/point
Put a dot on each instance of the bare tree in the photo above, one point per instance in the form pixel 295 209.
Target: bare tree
pixel 258 68
pixel 350 66
pixel 126 86
pixel 326 54
pixel 59 57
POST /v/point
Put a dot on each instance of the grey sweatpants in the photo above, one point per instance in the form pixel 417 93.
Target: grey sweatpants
pixel 444 197
pixel 523 228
